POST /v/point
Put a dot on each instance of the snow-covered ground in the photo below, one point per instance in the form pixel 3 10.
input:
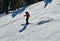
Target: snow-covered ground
pixel 45 24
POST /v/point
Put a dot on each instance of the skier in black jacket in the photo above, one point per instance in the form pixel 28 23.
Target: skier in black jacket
pixel 27 17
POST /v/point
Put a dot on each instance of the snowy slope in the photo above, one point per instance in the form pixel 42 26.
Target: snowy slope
pixel 45 24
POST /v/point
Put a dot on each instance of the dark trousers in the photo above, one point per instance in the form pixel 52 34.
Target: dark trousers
pixel 27 20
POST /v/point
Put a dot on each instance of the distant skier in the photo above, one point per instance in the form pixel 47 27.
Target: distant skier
pixel 27 15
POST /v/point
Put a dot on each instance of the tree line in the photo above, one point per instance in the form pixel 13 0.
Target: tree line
pixel 6 5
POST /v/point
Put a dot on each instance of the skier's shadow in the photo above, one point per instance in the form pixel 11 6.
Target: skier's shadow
pixel 24 27
pixel 39 23
pixel 42 22
pixel 47 2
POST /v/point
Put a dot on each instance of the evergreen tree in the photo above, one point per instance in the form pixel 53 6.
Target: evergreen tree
pixel 5 6
pixel 13 4
pixel 0 6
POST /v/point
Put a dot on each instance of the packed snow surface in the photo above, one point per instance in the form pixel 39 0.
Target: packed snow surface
pixel 44 23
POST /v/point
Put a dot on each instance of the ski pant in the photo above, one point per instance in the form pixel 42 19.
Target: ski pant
pixel 27 20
